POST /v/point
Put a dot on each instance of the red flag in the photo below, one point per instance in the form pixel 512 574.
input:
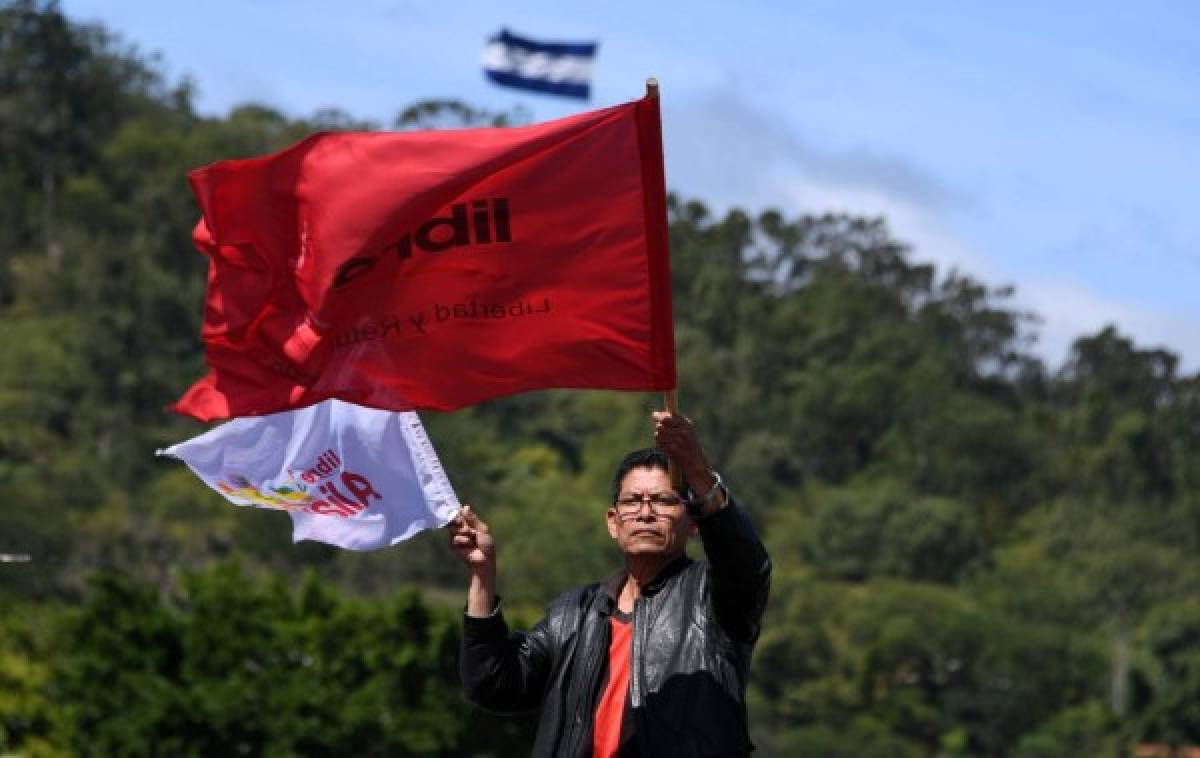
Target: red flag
pixel 437 269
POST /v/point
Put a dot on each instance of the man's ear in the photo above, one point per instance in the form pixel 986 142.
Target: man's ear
pixel 611 519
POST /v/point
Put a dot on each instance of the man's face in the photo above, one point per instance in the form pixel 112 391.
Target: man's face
pixel 655 526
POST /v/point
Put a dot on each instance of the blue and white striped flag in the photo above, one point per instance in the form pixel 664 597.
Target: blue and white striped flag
pixel 556 68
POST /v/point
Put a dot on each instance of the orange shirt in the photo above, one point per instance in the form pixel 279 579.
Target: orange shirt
pixel 606 739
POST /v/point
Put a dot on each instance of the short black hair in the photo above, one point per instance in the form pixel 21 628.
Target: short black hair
pixel 647 457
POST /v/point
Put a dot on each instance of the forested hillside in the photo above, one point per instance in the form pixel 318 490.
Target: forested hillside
pixel 976 554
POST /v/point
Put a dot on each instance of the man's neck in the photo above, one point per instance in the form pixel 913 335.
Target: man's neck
pixel 640 570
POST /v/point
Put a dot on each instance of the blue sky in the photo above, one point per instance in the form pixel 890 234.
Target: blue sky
pixel 1055 147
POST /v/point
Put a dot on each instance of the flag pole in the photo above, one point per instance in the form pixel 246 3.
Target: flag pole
pixel 670 397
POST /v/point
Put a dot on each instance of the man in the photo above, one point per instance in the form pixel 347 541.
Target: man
pixel 652 662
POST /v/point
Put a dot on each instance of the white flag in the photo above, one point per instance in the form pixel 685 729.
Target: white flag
pixel 354 477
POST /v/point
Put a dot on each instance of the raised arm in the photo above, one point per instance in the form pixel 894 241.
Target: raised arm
pixel 741 569
pixel 500 671
pixel 472 541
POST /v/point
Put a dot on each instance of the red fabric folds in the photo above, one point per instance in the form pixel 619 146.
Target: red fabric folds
pixel 434 270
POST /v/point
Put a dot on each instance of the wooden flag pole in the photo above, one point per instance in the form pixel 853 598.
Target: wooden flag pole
pixel 670 397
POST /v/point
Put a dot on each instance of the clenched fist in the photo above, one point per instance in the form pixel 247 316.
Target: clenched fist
pixel 676 437
pixel 471 540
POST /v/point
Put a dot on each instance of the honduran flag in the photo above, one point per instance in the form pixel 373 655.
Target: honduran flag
pixel 556 68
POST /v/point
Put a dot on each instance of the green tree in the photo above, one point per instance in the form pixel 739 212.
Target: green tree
pixel 234 666
pixel 1170 635
pixel 29 722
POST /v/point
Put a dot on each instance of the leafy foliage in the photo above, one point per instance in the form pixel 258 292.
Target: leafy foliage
pixel 976 554
pixel 235 667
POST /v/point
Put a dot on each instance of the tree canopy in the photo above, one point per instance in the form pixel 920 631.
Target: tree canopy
pixel 976 554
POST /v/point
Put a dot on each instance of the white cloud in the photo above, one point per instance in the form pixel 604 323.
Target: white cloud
pixel 725 152
pixel 1071 311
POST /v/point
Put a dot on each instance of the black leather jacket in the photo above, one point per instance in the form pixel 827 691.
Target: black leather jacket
pixel 694 629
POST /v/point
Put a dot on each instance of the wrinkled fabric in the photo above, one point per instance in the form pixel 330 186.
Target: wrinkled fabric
pixel 435 270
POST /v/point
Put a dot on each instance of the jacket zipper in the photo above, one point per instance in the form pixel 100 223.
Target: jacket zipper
pixel 585 703
pixel 635 656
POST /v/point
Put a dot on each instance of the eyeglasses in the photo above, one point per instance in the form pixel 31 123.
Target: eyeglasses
pixel 660 503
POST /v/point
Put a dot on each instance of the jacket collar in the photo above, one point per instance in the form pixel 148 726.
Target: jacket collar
pixel 670 570
pixel 614 583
